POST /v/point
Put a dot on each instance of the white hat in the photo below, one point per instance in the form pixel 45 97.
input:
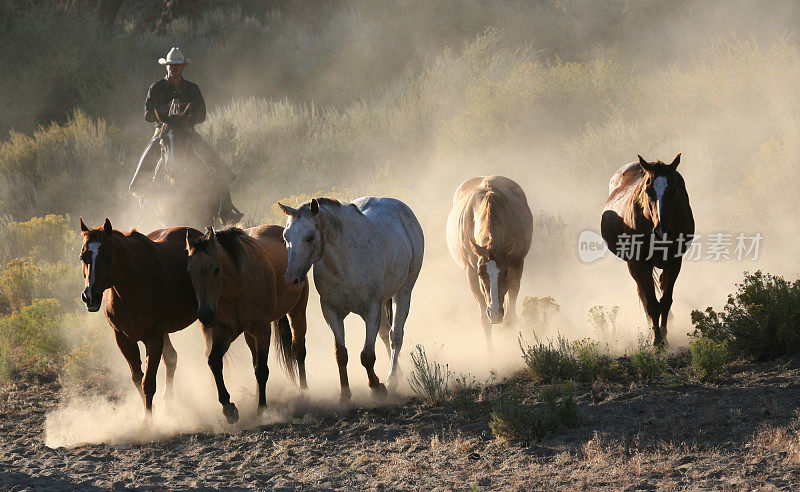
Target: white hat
pixel 174 57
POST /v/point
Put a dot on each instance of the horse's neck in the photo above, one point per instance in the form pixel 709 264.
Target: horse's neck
pixel 342 241
pixel 128 274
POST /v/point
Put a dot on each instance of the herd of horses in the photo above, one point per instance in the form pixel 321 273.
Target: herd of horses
pixel 366 258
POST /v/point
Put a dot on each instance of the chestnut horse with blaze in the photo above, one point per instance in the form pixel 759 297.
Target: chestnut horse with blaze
pixel 647 221
pixel 489 233
pixel 146 294
pixel 238 280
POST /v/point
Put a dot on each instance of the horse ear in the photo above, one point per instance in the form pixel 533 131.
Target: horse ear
pixel 287 209
pixel 212 236
pixel 510 248
pixel 477 248
pixel 107 227
pixel 314 206
pixel 646 167
pixel 677 160
pixel 83 226
pixel 189 242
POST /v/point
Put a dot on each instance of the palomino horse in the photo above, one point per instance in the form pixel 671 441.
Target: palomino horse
pixel 489 233
pixel 647 221
pixel 367 256
pixel 237 279
pixel 145 292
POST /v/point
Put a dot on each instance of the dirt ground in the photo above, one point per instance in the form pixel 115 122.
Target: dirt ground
pixel 739 433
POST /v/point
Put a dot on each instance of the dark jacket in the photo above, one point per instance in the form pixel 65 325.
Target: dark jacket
pixel 161 93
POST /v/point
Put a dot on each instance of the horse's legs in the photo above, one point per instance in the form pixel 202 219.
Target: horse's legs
pixel 170 357
pixel 297 321
pixel 259 367
pixel 373 321
pixel 153 350
pixel 474 284
pixel 402 303
pixel 645 286
pixel 218 348
pixel 336 322
pixel 667 282
pixel 514 280
pixel 386 325
pixel 130 350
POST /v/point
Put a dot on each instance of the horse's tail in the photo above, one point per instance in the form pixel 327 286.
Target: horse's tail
pixel 283 347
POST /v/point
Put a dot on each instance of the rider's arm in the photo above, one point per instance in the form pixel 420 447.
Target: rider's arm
pixel 198 109
pixel 153 103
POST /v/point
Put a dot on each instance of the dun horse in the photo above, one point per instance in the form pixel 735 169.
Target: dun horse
pixel 647 221
pixel 367 256
pixel 145 292
pixel 237 277
pixel 489 232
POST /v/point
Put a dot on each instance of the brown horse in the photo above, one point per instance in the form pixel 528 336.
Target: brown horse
pixel 145 292
pixel 489 232
pixel 238 280
pixel 647 221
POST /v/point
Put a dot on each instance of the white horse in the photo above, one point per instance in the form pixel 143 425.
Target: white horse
pixel 367 256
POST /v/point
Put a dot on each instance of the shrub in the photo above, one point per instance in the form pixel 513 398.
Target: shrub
pixel 30 340
pixel 604 321
pixel 513 420
pixel 429 380
pixel 549 362
pixel 538 311
pixel 761 320
pixel 595 361
pixel 708 358
pixel 647 362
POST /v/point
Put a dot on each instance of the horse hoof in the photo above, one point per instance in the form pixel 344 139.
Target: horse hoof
pixel 344 396
pixel 262 411
pixel 231 413
pixel 379 390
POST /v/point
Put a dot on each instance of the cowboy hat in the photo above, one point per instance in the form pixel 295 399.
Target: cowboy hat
pixel 174 57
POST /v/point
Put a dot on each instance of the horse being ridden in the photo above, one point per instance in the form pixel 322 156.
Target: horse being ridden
pixel 367 256
pixel 237 279
pixel 145 292
pixel 489 232
pixel 647 221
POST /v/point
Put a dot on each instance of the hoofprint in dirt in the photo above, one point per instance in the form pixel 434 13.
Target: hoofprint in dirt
pixel 740 433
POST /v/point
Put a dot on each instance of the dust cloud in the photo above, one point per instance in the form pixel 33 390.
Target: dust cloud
pixel 564 176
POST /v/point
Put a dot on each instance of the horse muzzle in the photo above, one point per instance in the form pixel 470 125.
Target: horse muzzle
pixel 293 282
pixel 92 300
pixel 207 316
pixel 495 317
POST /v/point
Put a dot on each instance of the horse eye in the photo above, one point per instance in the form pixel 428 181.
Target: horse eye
pixel 310 239
pixel 216 270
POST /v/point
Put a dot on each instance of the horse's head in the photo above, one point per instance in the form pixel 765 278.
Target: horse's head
pixel 660 187
pixel 204 269
pixel 304 242
pixel 97 257
pixel 492 271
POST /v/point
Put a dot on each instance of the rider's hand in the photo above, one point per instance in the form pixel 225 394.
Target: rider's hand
pixel 175 107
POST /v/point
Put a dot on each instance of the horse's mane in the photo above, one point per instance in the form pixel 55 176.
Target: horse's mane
pixel 230 240
pixel 132 234
pixel 491 210
pixel 332 203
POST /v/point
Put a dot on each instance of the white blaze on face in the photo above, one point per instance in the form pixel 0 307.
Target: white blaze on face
pixel 94 249
pixel 660 184
pixel 494 288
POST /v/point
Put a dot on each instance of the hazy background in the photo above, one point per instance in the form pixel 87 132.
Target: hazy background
pixel 405 99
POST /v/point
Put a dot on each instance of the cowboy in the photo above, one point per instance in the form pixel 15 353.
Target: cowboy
pixel 179 102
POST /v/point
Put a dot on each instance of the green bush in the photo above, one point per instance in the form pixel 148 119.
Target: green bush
pixel 31 342
pixel 595 361
pixel 761 320
pixel 708 358
pixel 548 362
pixel 51 238
pixel 429 380
pixel 648 362
pixel 513 420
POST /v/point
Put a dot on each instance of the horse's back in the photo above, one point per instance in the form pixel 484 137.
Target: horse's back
pixel 398 225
